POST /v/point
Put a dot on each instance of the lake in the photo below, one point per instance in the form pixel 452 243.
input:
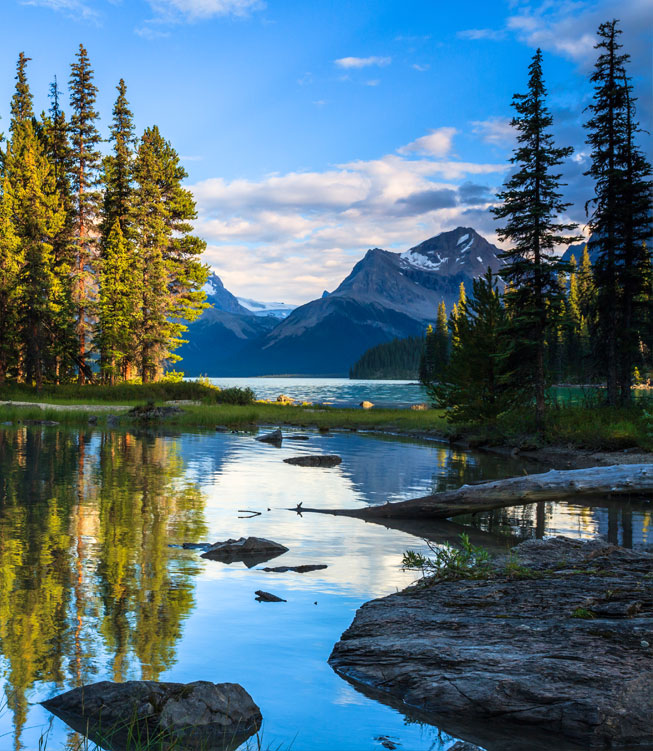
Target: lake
pixel 340 392
pixel 93 586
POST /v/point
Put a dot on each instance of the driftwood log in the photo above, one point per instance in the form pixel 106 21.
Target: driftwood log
pixel 556 485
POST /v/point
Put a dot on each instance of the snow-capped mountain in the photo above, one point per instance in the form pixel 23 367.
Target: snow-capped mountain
pixel 387 295
pixel 276 309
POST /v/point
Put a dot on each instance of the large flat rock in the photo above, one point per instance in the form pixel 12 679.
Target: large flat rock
pixel 563 659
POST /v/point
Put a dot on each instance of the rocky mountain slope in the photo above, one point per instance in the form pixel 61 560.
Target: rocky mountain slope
pixel 387 295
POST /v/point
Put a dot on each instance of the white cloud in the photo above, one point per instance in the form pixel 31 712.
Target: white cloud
pixel 197 10
pixel 495 130
pixel 373 82
pixel 73 8
pixel 494 34
pixel 362 62
pixel 436 143
pixel 421 67
pixel 290 236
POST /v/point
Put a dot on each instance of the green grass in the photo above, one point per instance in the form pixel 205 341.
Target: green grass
pixel 580 425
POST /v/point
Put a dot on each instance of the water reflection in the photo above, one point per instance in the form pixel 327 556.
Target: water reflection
pixel 91 590
pixel 85 579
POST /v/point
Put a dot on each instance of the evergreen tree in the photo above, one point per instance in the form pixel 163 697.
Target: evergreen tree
pixel 530 204
pixel 54 134
pixel 172 275
pixel 436 348
pixel 37 218
pixel 118 182
pixel 10 266
pixel 621 216
pixel 118 311
pixel 85 164
pixel 474 386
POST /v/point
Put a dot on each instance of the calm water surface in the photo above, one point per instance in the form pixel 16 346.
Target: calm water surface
pixel 336 391
pixel 90 588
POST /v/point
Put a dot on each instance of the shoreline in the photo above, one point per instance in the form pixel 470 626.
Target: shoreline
pixel 425 425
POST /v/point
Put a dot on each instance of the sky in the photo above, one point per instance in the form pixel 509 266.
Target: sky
pixel 312 131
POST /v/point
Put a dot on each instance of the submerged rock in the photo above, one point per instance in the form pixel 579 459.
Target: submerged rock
pixel 366 405
pixel 262 596
pixel 297 437
pixel 275 437
pixel 312 460
pixel 197 715
pixel 152 413
pixel 551 644
pixel 297 569
pixel 250 550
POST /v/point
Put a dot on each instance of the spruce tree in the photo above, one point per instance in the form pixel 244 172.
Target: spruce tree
pixel 474 386
pixel 11 262
pixel 38 217
pixel 54 133
pixel 531 202
pixel 117 307
pixel 620 219
pixel 172 275
pixel 85 165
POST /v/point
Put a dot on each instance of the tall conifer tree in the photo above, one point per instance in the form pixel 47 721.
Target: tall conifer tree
pixel 10 267
pixel 621 215
pixel 85 165
pixel 531 202
pixel 172 274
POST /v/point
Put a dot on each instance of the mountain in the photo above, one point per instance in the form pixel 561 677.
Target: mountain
pixel 386 296
pixel 221 331
pixel 276 309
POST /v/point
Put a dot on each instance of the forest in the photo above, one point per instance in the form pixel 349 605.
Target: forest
pixel 544 321
pixel 99 269
pixel 398 359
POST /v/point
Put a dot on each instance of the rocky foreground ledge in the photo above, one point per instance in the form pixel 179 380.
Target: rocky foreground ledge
pixel 552 650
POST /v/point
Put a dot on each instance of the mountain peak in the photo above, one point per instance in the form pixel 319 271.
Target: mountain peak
pixel 458 251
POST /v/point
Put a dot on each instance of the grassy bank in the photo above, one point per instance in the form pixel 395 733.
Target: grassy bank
pixel 579 425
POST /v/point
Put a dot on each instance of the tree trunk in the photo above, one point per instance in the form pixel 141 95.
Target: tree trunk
pixel 556 485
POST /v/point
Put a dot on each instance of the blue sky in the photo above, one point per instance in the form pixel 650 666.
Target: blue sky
pixel 313 131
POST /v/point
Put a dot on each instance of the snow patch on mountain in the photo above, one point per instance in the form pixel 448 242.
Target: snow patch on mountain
pixel 463 239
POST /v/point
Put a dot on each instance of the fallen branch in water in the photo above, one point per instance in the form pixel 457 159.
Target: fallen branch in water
pixel 556 485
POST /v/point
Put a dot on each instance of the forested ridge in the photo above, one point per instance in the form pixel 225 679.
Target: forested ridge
pixel 398 359
pixel 99 271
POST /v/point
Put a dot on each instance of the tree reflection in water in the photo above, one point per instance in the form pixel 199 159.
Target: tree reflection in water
pixel 86 582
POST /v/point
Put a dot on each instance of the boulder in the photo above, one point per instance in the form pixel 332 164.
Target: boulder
pixel 182 716
pixel 366 405
pixel 315 460
pixel 250 550
pixel 113 421
pixel 275 437
pixel 419 407
pixel 92 420
pixel 283 399
pixel 297 437
pixel 556 642
pixel 151 413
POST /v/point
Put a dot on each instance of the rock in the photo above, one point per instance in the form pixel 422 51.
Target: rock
pixel 313 460
pixel 151 413
pixel 323 428
pixel 262 596
pixel 533 650
pixel 186 716
pixel 387 742
pixel 113 421
pixel 297 437
pixel 419 407
pixel 464 746
pixel 297 569
pixel 221 429
pixel 275 437
pixel 283 399
pixel 92 420
pixel 251 551
pixel 196 545
pixel 366 405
